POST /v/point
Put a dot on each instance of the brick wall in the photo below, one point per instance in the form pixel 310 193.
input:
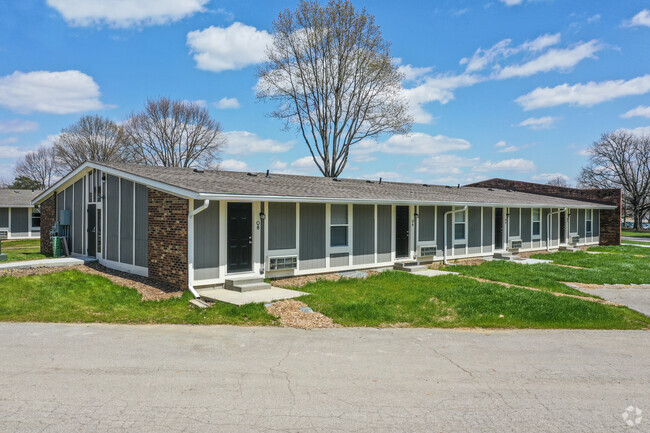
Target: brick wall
pixel 610 220
pixel 168 238
pixel 48 218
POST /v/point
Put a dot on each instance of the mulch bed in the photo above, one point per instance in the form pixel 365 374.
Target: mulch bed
pixel 306 279
pixel 290 315
pixel 149 289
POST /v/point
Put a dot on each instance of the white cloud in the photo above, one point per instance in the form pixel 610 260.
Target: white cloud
pixel 504 147
pixel 545 177
pixel 513 165
pixel 588 94
pixel 200 102
pixel 8 140
pixel 304 162
pixel 17 126
pixel 640 111
pixel 511 2
pixel 244 142
pixel 227 103
pixel 125 13
pixel 49 92
pixel 11 151
pixel 640 19
pixel 447 164
pixel 416 144
pixel 233 164
pixel 539 123
pixel 484 57
pixel 219 49
pixel 412 73
pixel 278 165
pixel 555 59
pixel 641 131
pixel 542 42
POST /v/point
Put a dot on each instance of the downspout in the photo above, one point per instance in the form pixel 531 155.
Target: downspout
pixel 444 251
pixel 548 228
pixel 190 250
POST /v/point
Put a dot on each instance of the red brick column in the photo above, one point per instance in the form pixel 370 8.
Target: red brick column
pixel 48 218
pixel 168 238
pixel 610 220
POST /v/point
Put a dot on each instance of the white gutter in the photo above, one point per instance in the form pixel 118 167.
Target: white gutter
pixel 444 252
pixel 548 228
pixel 190 248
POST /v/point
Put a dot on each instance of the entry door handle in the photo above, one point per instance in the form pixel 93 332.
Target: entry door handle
pixel 250 240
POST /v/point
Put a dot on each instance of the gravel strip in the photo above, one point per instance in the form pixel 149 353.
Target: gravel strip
pixel 290 315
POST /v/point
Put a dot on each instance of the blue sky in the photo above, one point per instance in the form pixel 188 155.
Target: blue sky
pixel 498 88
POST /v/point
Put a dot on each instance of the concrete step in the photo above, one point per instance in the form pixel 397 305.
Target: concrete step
pixel 567 248
pixel 249 287
pixel 505 256
pixel 409 267
pixel 236 281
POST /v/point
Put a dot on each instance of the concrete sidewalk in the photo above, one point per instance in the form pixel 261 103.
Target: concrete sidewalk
pixel 46 263
pixel 120 378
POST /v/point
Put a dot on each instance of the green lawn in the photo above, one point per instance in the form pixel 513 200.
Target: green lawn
pixel 645 234
pixel 637 242
pixel 622 249
pixel 73 296
pixel 396 298
pixel 23 249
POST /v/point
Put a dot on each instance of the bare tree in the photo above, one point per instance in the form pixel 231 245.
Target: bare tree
pixel 92 138
pixel 38 166
pixel 621 160
pixel 174 134
pixel 559 181
pixel 331 73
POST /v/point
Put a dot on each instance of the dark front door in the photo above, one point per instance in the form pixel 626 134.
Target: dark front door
pixel 240 237
pixel 498 228
pixel 563 227
pixel 92 230
pixel 402 231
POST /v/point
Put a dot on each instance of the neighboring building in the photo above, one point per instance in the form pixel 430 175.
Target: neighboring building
pixel 190 227
pixel 19 219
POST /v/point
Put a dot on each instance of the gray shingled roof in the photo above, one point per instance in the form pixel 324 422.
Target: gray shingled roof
pixel 282 185
pixel 17 197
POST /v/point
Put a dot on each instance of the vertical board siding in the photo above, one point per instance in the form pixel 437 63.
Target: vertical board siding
pixel 573 223
pixel 282 226
pixel 19 223
pixel 4 217
pixel 581 224
pixel 363 239
pixel 440 236
pixel 384 233
pixel 596 223
pixel 526 228
pixel 68 206
pixel 514 229
pixel 474 230
pixel 427 223
pixel 488 230
pixel 78 218
pixel 60 204
pixel 312 236
pixel 206 242
pixel 544 227
pixel 126 222
pixel 339 259
pixel 555 229
pixel 141 225
pixel 112 217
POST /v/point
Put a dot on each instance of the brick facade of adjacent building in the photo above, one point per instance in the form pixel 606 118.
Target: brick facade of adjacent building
pixel 168 238
pixel 610 220
pixel 48 218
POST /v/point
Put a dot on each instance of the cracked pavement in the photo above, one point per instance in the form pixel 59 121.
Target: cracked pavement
pixel 166 378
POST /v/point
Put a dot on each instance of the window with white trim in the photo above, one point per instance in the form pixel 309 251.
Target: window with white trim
pixel 589 217
pixel 537 223
pixel 460 224
pixel 36 218
pixel 339 225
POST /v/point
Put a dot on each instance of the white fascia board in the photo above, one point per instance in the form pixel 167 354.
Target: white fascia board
pixel 14 206
pixel 247 197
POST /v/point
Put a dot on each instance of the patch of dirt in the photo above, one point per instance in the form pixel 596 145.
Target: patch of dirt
pixel 149 289
pixel 306 279
pixel 607 286
pixel 569 266
pixel 464 262
pixel 290 315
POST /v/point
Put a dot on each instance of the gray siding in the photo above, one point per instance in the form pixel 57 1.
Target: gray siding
pixel 112 217
pixel 526 229
pixel 474 230
pixel 363 237
pixel 427 223
pixel 60 203
pixel 126 222
pixel 555 229
pixel 459 250
pixel 339 259
pixel 514 228
pixel 282 226
pixel 581 224
pixel 440 237
pixel 206 242
pixel 141 225
pixel 4 217
pixel 596 223
pixel 384 233
pixel 19 223
pixel 68 206
pixel 573 224
pixel 78 218
pixel 488 230
pixel 312 236
pixel 544 227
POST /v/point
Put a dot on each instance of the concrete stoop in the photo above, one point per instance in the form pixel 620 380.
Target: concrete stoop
pixel 570 248
pixel 505 255
pixel 246 284
pixel 409 267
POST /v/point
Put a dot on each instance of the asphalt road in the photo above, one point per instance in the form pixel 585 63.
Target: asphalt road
pixel 104 378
